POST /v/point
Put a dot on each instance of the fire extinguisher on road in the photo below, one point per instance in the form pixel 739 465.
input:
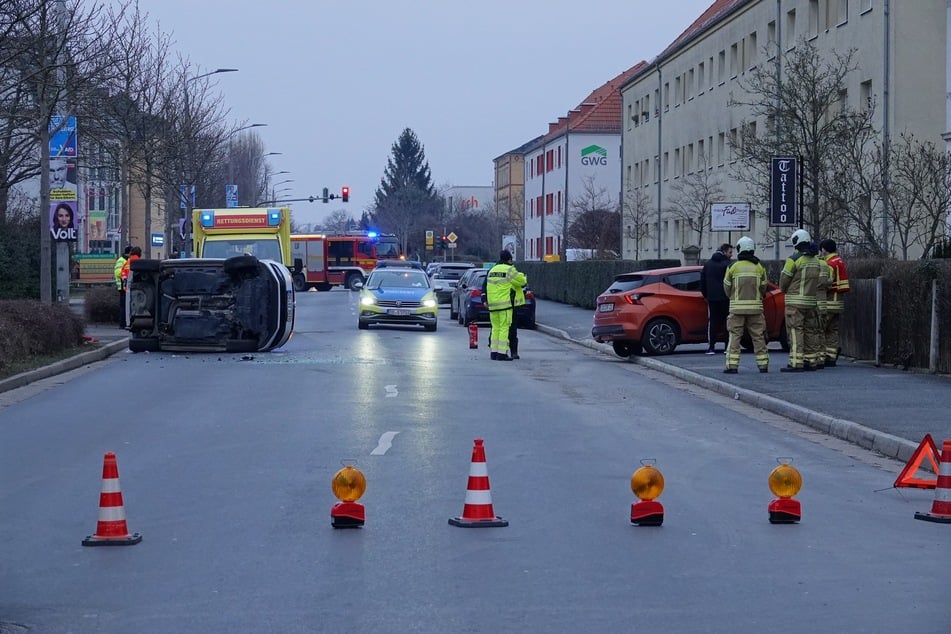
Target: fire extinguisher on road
pixel 473 336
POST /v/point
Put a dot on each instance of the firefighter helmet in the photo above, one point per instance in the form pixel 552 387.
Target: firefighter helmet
pixel 745 244
pixel 800 235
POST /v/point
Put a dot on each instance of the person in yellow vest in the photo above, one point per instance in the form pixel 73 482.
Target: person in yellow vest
pixel 803 280
pixel 117 274
pixel 835 306
pixel 745 285
pixel 134 254
pixel 518 299
pixel 500 281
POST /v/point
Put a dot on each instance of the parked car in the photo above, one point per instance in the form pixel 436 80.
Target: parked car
pixel 445 276
pixel 468 302
pixel 397 296
pixel 655 311
pixel 239 304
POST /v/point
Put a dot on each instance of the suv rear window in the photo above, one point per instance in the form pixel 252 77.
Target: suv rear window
pixel 628 282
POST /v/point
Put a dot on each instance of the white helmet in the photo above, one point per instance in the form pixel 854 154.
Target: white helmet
pixel 800 235
pixel 745 244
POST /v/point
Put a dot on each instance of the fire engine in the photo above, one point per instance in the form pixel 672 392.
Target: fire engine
pixel 323 261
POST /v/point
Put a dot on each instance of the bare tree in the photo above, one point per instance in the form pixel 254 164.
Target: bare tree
pixel 920 192
pixel 639 216
pixel 691 198
pixel 339 221
pixel 596 224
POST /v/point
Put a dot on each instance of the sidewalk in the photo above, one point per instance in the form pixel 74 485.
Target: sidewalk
pixel 880 408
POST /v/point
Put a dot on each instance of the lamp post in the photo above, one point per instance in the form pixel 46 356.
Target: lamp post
pixel 186 198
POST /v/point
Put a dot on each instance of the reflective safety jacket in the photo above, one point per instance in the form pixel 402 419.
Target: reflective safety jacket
pixel 501 280
pixel 117 271
pixel 745 284
pixel 838 283
pixel 126 269
pixel 804 279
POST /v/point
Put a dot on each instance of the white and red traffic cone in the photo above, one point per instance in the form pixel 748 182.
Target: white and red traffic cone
pixel 941 507
pixel 111 530
pixel 478 511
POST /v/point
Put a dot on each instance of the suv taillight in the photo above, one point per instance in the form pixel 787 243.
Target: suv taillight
pixel 635 298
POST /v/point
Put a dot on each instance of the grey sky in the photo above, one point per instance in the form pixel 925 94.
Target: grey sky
pixel 337 82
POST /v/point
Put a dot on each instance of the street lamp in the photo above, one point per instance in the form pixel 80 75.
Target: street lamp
pixel 185 203
pixel 564 210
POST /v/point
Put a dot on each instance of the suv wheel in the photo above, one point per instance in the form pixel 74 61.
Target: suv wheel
pixel 660 336
pixel 626 348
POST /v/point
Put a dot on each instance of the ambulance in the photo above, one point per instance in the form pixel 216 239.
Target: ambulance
pixel 264 233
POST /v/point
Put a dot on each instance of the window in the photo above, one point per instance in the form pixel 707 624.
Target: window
pixel 549 204
pixel 866 98
pixel 666 96
pixel 689 281
pixel 791 29
pixel 690 78
pixel 734 60
pixel 700 156
pixel 559 202
pixel 813 18
pixel 771 38
pixel 630 116
pixel 559 155
pixel 721 148
pixel 666 165
pixel 721 67
pixel 752 54
pixel 701 83
pixel 677 164
pixel 865 5
pixel 678 90
pixel 550 160
pixel 688 159
pixel 843 13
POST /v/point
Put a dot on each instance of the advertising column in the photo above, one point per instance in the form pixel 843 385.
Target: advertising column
pixel 63 197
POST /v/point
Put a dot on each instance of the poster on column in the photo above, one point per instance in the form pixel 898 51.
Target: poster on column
pixel 63 221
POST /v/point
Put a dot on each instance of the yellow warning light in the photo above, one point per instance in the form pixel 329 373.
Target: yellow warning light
pixel 785 481
pixel 647 483
pixel 349 484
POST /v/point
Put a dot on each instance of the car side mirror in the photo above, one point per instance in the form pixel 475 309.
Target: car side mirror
pixel 357 285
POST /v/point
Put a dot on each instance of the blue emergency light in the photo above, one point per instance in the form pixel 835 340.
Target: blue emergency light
pixel 372 234
pixel 208 219
pixel 274 217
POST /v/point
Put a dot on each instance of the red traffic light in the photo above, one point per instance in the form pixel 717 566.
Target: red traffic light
pixel 345 194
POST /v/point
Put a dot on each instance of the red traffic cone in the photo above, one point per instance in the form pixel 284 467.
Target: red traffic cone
pixel 111 530
pixel 477 511
pixel 473 336
pixel 941 507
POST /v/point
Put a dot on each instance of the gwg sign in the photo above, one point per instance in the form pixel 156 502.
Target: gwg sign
pixel 594 155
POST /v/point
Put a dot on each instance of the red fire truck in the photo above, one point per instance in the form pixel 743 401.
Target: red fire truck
pixel 323 261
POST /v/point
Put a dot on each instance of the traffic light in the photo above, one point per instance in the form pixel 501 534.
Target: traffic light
pixel 443 242
pixel 345 194
pixel 326 196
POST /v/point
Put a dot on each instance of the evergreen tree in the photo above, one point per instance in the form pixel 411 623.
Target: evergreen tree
pixel 406 201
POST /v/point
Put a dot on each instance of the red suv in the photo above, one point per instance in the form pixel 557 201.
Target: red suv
pixel 655 311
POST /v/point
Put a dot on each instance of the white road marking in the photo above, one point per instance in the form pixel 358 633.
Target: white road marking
pixel 391 391
pixel 386 441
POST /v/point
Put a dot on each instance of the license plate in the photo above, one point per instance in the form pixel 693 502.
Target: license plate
pixel 605 308
pixel 399 312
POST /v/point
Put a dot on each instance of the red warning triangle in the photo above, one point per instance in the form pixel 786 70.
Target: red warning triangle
pixel 908 476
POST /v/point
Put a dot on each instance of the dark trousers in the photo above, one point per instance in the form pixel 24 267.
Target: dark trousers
pixel 122 323
pixel 716 322
pixel 513 338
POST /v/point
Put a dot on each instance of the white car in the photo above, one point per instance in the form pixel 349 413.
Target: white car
pixel 446 276
pixel 239 304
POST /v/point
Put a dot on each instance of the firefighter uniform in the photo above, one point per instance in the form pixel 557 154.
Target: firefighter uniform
pixel 803 280
pixel 500 281
pixel 745 285
pixel 835 306
pixel 117 274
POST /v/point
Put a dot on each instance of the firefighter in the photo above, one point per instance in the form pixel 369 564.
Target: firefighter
pixel 803 280
pixel 500 281
pixel 117 273
pixel 838 285
pixel 745 284
pixel 134 254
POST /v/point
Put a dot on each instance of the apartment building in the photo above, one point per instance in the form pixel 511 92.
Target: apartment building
pixel 677 121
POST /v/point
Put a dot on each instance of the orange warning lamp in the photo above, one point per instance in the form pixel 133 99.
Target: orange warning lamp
pixel 647 483
pixel 785 481
pixel 349 484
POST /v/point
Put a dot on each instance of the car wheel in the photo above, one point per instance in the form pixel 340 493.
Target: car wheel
pixel 430 328
pixel 660 337
pixel 626 348
pixel 452 311
pixel 143 345
pixel 784 338
pixel 323 287
pixel 362 325
pixel 352 280
pixel 300 283
pixel 240 263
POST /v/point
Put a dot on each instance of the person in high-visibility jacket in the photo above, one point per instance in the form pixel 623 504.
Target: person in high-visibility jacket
pixel 803 280
pixel 501 279
pixel 835 306
pixel 117 274
pixel 134 254
pixel 518 299
pixel 745 285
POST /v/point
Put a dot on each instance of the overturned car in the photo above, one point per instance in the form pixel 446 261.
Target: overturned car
pixel 240 304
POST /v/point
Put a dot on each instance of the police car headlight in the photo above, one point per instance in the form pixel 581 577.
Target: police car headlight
pixel 429 302
pixel 368 300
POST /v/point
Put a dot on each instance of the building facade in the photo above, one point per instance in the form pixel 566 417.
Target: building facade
pixel 678 123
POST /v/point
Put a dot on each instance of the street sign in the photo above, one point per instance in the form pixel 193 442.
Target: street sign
pixel 452 237
pixel 784 191
pixel 158 239
pixel 452 245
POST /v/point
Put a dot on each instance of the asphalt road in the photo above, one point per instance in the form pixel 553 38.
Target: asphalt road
pixel 225 466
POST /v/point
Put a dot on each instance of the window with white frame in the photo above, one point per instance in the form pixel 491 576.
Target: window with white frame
pixel 843 12
pixel 813 19
pixel 791 29
pixel 771 38
pixel 752 54
pixel 866 98
pixel 734 59
pixel 721 67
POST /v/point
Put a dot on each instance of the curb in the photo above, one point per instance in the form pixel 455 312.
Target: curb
pixel 77 361
pixel 855 433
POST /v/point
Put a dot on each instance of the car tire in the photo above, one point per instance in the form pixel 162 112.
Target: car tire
pixel 240 263
pixel 323 286
pixel 362 325
pixel 431 328
pixel 300 283
pixel 661 336
pixel 452 312
pixel 626 348
pixel 143 345
pixel 352 280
